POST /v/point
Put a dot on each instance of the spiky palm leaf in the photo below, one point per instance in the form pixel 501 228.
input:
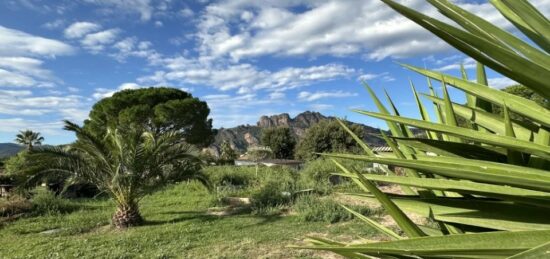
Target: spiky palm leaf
pixel 487 184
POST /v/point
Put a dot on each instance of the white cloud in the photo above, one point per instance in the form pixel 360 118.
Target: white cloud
pixel 249 29
pixel 18 43
pixel 321 106
pixel 501 82
pixel 96 42
pixel 468 63
pixel 228 110
pixel 26 66
pixel 73 89
pixel 77 115
pixel 55 24
pixel 132 47
pixel 11 125
pixel 275 29
pixel 8 78
pixel 79 29
pixel 241 76
pixel 15 93
pixel 25 102
pixel 187 89
pixel 386 77
pixel 158 24
pixel 126 86
pixel 310 97
pixel 101 93
pixel 186 12
pixel 144 8
pixel 277 95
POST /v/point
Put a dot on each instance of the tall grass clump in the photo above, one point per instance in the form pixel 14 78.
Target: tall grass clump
pixel 319 174
pixel 485 183
pixel 13 206
pixel 312 208
pixel 271 187
pixel 46 203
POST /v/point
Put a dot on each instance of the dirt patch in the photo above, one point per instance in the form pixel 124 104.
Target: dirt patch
pixel 227 210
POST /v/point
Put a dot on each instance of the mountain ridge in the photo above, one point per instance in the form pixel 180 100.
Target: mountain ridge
pixel 9 149
pixel 243 136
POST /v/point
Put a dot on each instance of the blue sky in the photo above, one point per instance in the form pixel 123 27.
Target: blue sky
pixel 245 58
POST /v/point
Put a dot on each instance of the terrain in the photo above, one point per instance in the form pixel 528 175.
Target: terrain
pixel 178 226
pixel 242 136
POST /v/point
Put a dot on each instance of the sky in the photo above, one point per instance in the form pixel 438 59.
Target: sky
pixel 244 58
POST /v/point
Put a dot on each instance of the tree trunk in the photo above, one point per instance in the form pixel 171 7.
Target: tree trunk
pixel 127 216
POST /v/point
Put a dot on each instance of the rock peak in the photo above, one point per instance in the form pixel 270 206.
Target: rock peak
pixel 304 119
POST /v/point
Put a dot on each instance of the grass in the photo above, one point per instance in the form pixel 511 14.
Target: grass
pixel 177 227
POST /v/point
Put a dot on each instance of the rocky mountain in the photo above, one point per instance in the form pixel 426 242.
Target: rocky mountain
pixel 243 136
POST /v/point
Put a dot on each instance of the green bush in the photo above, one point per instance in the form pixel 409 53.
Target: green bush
pixel 46 203
pixel 311 208
pixel 327 136
pixel 15 163
pixel 270 195
pixel 230 175
pixel 316 174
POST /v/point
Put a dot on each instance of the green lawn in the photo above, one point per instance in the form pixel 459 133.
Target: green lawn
pixel 177 227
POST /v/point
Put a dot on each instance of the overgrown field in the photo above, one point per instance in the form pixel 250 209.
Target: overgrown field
pixel 178 224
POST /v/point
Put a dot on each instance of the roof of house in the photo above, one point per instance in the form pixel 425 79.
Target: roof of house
pixel 274 161
pixel 281 161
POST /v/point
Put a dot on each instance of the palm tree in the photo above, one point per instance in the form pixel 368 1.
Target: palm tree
pixel 125 164
pixel 29 138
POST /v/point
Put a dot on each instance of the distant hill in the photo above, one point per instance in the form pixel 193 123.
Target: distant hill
pixel 9 149
pixel 242 136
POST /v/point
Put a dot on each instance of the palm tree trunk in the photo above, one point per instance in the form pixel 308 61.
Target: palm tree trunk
pixel 127 216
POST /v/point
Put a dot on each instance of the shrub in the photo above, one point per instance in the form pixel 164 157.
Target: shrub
pixel 46 203
pixel 230 175
pixel 313 208
pixel 317 174
pixel 14 164
pixel 270 195
pixel 227 154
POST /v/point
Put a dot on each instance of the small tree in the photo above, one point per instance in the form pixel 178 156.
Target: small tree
pixel 527 93
pixel 280 140
pixel 126 164
pixel 524 92
pixel 15 164
pixel 327 136
pixel 227 154
pixel 29 138
pixel 157 110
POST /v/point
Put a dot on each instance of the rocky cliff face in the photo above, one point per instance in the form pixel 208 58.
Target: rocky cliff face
pixel 241 137
pixel 299 124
